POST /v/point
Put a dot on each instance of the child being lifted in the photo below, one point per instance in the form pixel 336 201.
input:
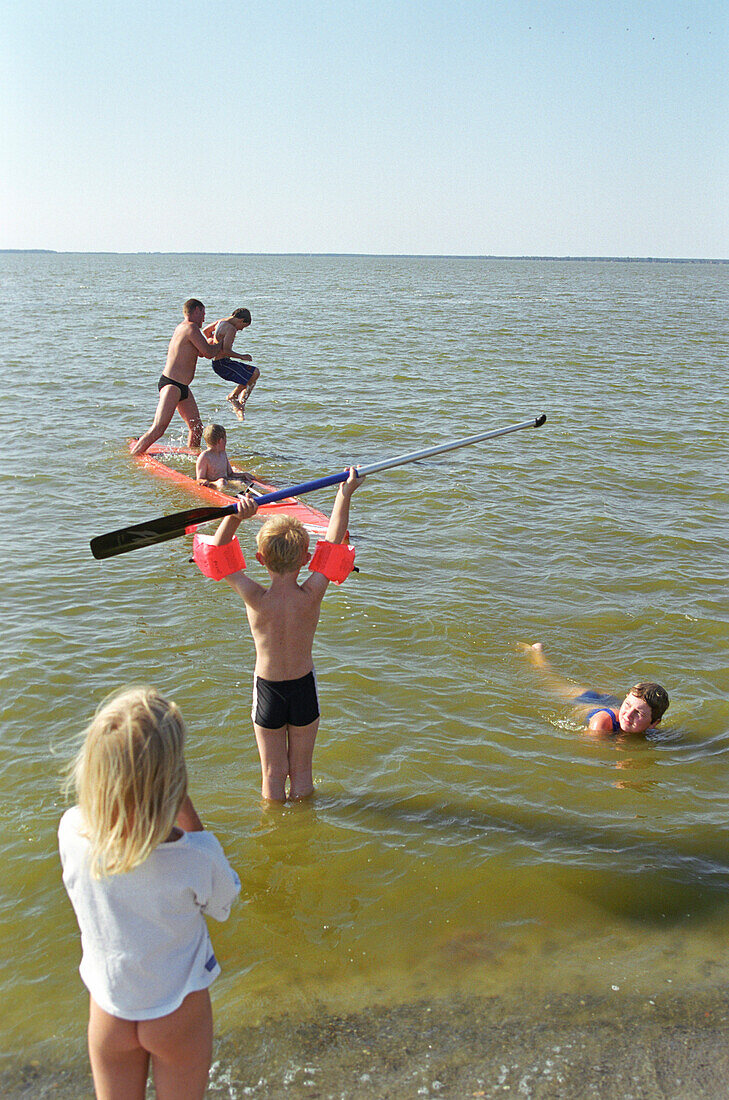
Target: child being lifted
pixel 283 619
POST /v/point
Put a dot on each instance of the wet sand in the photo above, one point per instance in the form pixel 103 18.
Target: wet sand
pixel 475 1048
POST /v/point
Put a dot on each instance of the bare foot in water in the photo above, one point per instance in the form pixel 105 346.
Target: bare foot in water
pixel 534 652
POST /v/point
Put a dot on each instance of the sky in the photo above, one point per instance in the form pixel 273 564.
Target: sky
pixel 500 127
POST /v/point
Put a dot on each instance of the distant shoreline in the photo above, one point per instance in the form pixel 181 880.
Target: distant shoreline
pixel 388 255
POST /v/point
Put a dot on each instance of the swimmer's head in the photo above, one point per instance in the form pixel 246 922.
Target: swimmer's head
pixel 283 544
pixel 214 433
pixel 643 706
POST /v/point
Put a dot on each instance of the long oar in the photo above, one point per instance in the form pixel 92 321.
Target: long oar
pixel 171 527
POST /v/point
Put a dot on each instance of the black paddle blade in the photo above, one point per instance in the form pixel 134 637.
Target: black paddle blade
pixel 154 531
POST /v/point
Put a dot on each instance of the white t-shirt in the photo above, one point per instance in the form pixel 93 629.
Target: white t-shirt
pixel 143 934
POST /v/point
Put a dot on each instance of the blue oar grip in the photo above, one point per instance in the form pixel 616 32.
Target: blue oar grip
pixel 304 487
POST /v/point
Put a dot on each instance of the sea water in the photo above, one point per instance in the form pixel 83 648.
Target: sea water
pixel 466 837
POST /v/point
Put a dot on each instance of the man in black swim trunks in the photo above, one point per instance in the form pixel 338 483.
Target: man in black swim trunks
pixel 186 345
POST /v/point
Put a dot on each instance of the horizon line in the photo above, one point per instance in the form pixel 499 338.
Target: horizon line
pixel 373 255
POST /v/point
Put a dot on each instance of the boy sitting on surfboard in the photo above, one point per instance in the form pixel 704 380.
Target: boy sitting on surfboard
pixel 212 466
pixel 283 619
pixel 229 364
pixel 641 709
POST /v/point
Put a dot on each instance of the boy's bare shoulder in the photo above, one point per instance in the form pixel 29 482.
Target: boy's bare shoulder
pixel 314 587
pixel 250 591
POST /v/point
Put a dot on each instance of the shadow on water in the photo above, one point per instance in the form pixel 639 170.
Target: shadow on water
pixel 640 879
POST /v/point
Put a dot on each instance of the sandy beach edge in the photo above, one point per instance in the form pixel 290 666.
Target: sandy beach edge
pixel 480 1048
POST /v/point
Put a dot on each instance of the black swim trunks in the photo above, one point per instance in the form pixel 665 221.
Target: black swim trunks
pixel 278 703
pixel 234 370
pixel 165 381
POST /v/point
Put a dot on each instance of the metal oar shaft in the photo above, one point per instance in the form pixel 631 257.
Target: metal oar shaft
pixel 400 460
pixel 441 448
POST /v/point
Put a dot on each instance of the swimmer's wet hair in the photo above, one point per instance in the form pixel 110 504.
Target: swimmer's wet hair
pixel 655 696
pixel 283 543
pixel 242 314
pixel 190 305
pixel 214 433
pixel 130 778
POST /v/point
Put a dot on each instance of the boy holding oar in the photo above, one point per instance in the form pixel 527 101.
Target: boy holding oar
pixel 283 619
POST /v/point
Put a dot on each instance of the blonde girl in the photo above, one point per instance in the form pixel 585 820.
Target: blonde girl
pixel 142 874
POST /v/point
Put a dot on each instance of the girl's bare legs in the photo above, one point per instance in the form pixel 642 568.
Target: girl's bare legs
pixel 119 1063
pixel 179 1046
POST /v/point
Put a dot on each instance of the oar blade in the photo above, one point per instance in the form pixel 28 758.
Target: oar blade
pixel 153 531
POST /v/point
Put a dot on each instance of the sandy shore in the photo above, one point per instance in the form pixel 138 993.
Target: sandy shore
pixel 475 1048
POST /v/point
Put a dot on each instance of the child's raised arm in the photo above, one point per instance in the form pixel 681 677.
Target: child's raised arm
pixel 339 521
pixel 247 507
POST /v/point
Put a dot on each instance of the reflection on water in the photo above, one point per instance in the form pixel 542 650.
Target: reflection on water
pixel 466 838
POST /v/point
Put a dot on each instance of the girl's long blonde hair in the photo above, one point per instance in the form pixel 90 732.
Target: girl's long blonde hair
pixel 130 778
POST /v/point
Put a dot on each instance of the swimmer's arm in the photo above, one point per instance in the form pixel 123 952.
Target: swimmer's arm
pixel 209 330
pixel 187 818
pixel 250 591
pixel 228 337
pixel 600 724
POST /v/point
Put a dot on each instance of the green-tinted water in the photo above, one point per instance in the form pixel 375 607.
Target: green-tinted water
pixel 465 837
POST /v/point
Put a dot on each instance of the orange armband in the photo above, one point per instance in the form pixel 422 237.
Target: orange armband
pixel 217 562
pixel 334 560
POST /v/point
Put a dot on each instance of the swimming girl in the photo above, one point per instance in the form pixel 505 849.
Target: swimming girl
pixel 641 709
pixel 142 875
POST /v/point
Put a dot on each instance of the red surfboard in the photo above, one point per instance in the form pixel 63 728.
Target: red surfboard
pixel 154 461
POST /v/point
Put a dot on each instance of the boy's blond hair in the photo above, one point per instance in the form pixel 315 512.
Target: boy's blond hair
pixel 130 778
pixel 213 433
pixel 283 542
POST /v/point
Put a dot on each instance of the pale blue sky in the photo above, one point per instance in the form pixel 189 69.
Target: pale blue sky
pixel 505 127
